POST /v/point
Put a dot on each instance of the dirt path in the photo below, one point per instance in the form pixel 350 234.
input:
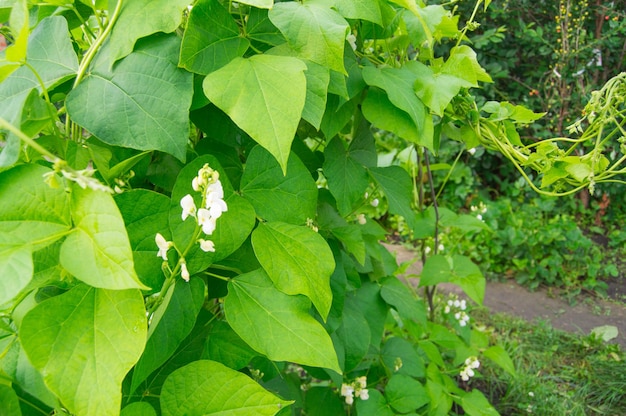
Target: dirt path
pixel 515 300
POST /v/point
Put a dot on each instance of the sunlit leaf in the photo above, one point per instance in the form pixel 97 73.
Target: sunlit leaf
pixel 98 251
pixel 264 95
pixel 210 388
pixel 84 342
pixel 315 32
pixel 275 324
pixel 297 259
pixel 140 18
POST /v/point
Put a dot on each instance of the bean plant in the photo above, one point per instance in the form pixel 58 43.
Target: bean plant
pixel 185 200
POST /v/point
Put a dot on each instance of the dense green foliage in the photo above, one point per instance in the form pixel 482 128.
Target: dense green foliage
pixel 185 201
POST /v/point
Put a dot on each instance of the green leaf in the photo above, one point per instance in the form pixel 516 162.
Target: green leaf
pixel 498 355
pixel 376 405
pixel 353 336
pixel 401 357
pixel 379 110
pixel 459 270
pixel 290 198
pixel 347 178
pixel 317 80
pixel 398 84
pixel 398 295
pixel 39 216
pixel 143 101
pixel 226 347
pixel 169 326
pixel 54 60
pixel 9 402
pixel 322 401
pixel 233 227
pixel 264 95
pixel 264 4
pixel 395 183
pixel 260 28
pixel 145 214
pixel 315 32
pixel 16 265
pixel 405 394
pixel 463 64
pixel 475 403
pixel 297 259
pixel 98 251
pixel 84 342
pixel 211 39
pixel 210 388
pixel 138 409
pixel 140 18
pixel 436 90
pixel 275 324
pixel 370 10
pixel 20 25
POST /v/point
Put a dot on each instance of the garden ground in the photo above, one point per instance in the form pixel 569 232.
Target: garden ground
pixel 545 304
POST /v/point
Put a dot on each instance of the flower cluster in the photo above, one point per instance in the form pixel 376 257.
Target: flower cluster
pixel 458 307
pixel 358 388
pixel 471 363
pixel 480 209
pixel 213 205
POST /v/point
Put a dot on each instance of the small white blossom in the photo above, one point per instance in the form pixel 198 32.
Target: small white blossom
pixel 163 246
pixel 362 381
pixel 184 273
pixel 480 217
pixel 206 221
pixel 531 394
pixel 471 363
pixel 364 394
pixel 361 219
pixel 188 206
pixel 352 41
pixel 207 245
pixel 427 250
pixel 375 202
pixel 472 151
pixel 347 391
pixel 441 247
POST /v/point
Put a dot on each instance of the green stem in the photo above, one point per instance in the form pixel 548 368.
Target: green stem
pixel 82 69
pixel 5 125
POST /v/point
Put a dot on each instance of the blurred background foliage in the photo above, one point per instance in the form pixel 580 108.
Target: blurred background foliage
pixel 548 55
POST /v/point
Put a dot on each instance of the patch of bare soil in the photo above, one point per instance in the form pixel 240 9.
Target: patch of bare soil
pixel 511 298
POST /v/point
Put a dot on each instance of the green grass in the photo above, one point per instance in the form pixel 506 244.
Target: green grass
pixel 558 373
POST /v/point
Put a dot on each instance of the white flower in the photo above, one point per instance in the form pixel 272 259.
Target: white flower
pixel 362 381
pixel 206 221
pixel 375 202
pixel 531 394
pixel 441 247
pixel 214 192
pixel 361 219
pixel 352 41
pixel 217 208
pixel 427 250
pixel 472 150
pixel 207 245
pixel 480 217
pixel 188 206
pixel 195 184
pixel 347 391
pixel 446 309
pixel 364 394
pixel 184 273
pixel 163 246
